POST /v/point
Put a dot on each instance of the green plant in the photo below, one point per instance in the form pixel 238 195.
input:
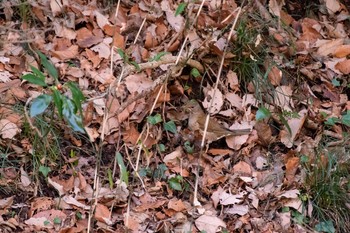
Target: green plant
pixel 344 119
pixel 68 108
pixel 127 59
pixel 124 174
pixel 176 183
pixel 327 187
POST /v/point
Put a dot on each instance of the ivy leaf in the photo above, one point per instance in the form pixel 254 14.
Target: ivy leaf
pixel 170 127
pixel 39 105
pixel 335 82
pixel 153 120
pixel 326 226
pixel 262 113
pixel 332 121
pixel 44 170
pixel 175 184
pixel 346 119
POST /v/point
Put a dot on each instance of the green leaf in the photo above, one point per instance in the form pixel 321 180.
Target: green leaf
pixel 35 79
pixel 57 99
pixel 161 147
pixel 51 69
pixel 39 105
pixel 68 111
pixel 37 72
pixel 189 149
pixel 262 113
pixel 175 184
pixel 44 170
pixel 153 120
pixel 124 174
pixel 159 173
pixel 326 226
pixel 332 121
pixel 180 8
pixel 170 127
pixel 346 119
pixel 46 222
pixel 57 220
pixel 195 73
pixel 158 56
pixel 110 178
pixel 79 215
pixel 138 68
pixel 335 82
pixel 78 96
pixel 121 53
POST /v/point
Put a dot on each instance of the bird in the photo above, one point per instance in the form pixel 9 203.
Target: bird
pixel 215 131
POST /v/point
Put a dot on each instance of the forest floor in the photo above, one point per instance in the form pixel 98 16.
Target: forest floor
pixel 96 133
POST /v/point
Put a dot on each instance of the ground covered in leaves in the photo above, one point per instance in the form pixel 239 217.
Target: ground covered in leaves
pixel 94 126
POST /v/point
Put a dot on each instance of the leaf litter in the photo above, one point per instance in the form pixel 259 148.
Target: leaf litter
pixel 246 182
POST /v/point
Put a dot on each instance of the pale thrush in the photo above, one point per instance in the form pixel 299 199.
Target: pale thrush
pixel 215 131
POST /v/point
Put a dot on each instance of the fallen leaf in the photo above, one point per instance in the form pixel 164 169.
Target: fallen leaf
pixel 102 214
pixel 238 209
pixel 8 129
pixel 209 224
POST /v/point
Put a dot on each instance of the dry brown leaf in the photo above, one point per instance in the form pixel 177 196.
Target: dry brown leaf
pixel 275 76
pixel 102 49
pixel 242 168
pixel 86 39
pixel 238 209
pixel 275 7
pixel 102 214
pixel 6 202
pixel 342 51
pixel 138 83
pixel 215 197
pixel 295 125
pixel 5 76
pixel 231 199
pixel 343 66
pixel 218 101
pixel 69 53
pixel 209 224
pixel 332 6
pixel 291 168
pixel 46 219
pixel 8 129
pixel 235 100
pixel 176 204
pixel 25 179
pixel 56 7
pixel 329 46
